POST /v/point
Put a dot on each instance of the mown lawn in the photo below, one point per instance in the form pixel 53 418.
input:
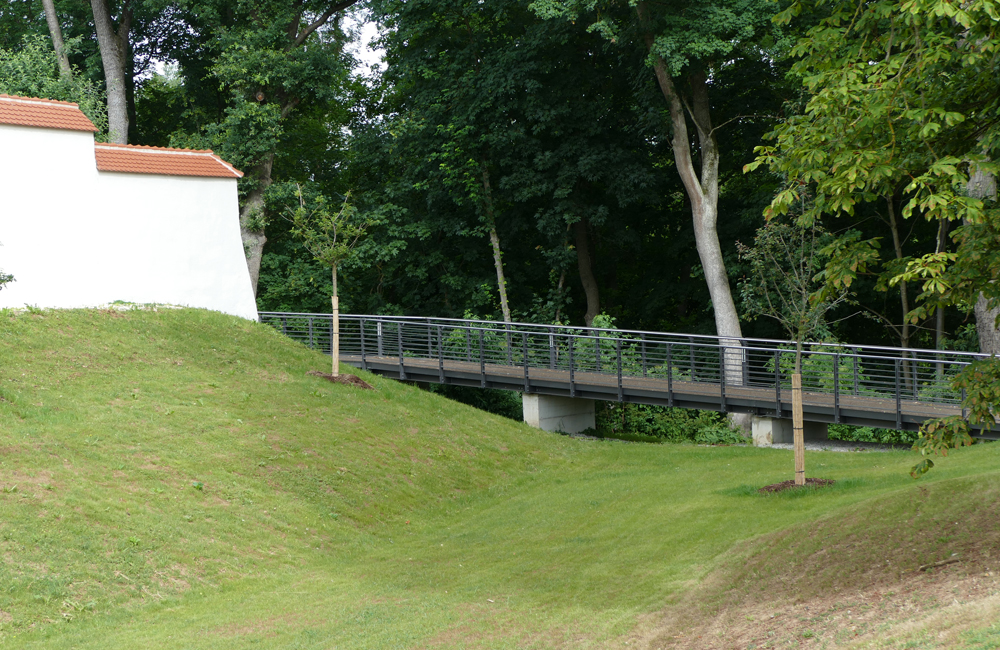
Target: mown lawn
pixel 174 479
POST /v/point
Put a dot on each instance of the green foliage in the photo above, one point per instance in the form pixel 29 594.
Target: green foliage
pixel 663 424
pixel 901 99
pixel 789 279
pixel 719 434
pixel 505 403
pixel 330 236
pixel 687 33
pixel 980 384
pixel 850 433
pixel 32 71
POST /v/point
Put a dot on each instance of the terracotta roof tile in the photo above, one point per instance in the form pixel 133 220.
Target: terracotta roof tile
pixel 45 113
pixel 160 160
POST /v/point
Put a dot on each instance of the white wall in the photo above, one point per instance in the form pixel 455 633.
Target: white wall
pixel 76 237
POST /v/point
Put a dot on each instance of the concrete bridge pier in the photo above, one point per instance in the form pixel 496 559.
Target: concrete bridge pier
pixel 562 414
pixel 767 431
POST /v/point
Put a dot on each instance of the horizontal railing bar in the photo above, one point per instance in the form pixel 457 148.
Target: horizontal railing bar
pixel 499 326
pixel 701 359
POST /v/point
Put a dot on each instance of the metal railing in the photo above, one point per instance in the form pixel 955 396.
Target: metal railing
pixel 885 373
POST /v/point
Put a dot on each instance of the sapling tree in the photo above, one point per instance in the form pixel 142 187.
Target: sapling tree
pixel 331 237
pixel 798 272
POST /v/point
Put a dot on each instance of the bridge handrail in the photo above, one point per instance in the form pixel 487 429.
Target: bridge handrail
pixel 605 333
pixel 838 370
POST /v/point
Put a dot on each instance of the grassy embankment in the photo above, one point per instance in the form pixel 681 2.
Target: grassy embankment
pixel 176 480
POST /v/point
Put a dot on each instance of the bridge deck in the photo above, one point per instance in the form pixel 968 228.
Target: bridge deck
pixel 763 401
pixel 850 384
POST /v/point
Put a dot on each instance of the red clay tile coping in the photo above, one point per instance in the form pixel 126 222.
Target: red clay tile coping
pixel 137 159
pixel 44 113
pixel 53 114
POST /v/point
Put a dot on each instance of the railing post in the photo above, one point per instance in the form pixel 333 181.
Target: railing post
pixel 440 354
pixel 691 355
pixel 284 326
pixel 524 361
pixel 618 348
pixel 430 341
pixel 364 361
pixel 378 336
pixel 311 346
pixel 743 359
pixel 572 378
pixel 722 377
pixel 482 361
pixel 899 408
pixel 916 378
pixel 402 370
pixel 643 344
pixel 597 351
pixel 670 374
pixel 510 352
pixel 836 388
pixel 552 351
pixel 777 383
pixel 468 341
pixel 856 373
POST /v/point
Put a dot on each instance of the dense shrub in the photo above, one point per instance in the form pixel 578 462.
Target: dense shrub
pixel 663 424
pixel 506 403
pixel 871 434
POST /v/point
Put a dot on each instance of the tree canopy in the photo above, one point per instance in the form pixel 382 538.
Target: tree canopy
pixel 558 159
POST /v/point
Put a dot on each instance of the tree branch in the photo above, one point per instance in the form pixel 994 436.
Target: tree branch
pixel 319 22
pixel 680 142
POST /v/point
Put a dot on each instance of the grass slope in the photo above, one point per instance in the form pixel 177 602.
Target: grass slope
pixel 175 479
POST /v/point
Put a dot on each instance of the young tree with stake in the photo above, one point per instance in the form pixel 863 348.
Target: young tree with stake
pixel 791 281
pixel 331 237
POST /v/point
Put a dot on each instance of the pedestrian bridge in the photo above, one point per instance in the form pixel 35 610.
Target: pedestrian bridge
pixel 876 386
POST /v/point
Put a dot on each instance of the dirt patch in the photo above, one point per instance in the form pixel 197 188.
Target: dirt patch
pixel 841 620
pixel 886 568
pixel 790 485
pixel 349 380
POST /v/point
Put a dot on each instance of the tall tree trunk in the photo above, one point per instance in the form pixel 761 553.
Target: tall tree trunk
pixel 495 242
pixel 703 192
pixel 559 289
pixel 129 59
pixel 55 30
pixel 583 259
pixel 942 243
pixel 989 335
pixel 111 43
pixel 904 297
pixel 703 189
pixel 253 210
pixel 252 219
pixel 982 184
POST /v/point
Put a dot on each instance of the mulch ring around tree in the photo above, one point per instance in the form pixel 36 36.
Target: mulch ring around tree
pixel 350 380
pixel 790 485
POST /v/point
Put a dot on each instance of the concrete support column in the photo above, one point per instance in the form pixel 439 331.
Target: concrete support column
pixel 768 431
pixel 562 414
